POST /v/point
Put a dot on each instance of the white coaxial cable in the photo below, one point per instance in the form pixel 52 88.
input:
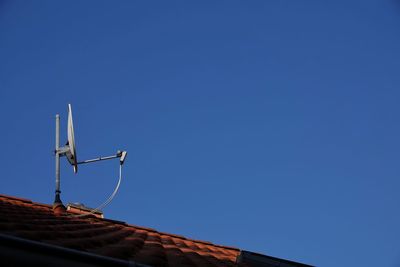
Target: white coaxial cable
pixel 110 198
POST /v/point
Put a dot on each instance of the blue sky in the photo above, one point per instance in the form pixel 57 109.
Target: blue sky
pixel 272 126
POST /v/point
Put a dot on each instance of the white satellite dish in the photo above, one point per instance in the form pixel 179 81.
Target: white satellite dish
pixel 69 150
pixel 71 153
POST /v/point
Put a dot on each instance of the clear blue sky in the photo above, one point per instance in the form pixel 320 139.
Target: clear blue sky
pixel 272 126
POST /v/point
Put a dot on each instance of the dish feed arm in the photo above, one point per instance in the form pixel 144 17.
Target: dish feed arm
pixel 120 154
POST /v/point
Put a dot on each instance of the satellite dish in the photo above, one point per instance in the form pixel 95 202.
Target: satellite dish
pixel 71 153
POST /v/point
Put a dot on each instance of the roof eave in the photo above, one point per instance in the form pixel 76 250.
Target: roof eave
pixel 17 251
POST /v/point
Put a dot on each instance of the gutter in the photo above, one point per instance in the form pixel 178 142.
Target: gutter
pixel 16 251
pixel 259 260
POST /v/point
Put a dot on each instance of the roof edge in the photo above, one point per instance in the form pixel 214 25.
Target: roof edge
pixel 261 260
pixel 23 251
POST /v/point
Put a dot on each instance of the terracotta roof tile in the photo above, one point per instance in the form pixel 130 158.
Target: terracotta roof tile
pixel 34 221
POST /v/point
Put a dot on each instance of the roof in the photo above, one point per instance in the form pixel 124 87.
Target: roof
pixel 23 219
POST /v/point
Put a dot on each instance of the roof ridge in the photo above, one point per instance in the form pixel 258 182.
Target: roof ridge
pixel 17 198
pixel 183 237
pixel 25 200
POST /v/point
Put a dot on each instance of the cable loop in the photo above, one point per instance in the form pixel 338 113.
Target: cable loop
pixel 105 203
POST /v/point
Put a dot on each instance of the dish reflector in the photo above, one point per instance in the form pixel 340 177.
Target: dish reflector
pixel 71 153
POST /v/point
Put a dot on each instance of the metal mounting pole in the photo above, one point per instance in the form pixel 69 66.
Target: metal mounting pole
pixel 57 157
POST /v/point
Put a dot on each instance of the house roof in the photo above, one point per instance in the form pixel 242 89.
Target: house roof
pixel 26 219
pixel 23 219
